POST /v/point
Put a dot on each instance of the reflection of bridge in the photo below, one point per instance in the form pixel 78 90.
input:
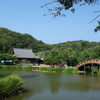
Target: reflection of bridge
pixel 90 62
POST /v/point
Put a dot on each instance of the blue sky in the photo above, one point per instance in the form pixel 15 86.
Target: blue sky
pixel 26 16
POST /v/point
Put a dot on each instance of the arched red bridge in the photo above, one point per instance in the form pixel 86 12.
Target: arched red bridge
pixel 90 62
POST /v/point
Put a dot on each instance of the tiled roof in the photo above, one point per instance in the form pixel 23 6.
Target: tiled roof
pixel 41 56
pixel 24 53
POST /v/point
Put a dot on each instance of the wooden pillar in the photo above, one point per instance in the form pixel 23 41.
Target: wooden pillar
pixel 98 68
pixel 84 69
pixel 92 67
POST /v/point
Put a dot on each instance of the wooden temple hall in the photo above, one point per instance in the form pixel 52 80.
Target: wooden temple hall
pixel 26 56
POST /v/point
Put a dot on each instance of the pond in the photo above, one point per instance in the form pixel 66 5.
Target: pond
pixel 57 86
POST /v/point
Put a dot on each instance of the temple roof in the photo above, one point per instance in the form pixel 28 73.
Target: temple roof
pixel 24 53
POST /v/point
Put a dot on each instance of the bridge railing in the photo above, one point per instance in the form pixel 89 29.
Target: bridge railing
pixel 88 61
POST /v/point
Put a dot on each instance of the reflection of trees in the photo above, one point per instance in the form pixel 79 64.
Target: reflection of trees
pixel 72 82
pixel 54 87
pixel 56 82
pixel 76 87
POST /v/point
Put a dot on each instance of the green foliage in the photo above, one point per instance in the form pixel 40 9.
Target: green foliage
pixel 67 5
pixel 78 46
pixel 52 57
pixel 46 68
pixel 96 52
pixel 58 69
pixel 35 68
pixel 70 57
pixel 51 61
pixel 70 69
pixel 62 53
pixel 10 39
pixel 10 85
pixel 84 55
pixel 8 59
pixel 98 72
pixel 97 27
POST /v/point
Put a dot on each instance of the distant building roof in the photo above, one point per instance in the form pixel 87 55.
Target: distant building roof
pixel 24 53
pixel 41 56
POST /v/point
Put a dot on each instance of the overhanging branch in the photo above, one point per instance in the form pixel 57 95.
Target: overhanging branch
pixel 48 3
pixel 94 19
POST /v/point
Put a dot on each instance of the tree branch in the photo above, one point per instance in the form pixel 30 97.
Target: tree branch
pixel 94 18
pixel 96 11
pixel 48 3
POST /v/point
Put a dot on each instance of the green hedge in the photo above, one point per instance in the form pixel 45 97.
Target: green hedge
pixel 10 85
pixel 58 69
pixel 46 68
pixel 70 69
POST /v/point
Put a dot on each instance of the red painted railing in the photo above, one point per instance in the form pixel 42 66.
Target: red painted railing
pixel 88 61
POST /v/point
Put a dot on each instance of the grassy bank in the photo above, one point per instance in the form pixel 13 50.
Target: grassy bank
pixel 58 69
pixel 34 68
pixel 98 72
pixel 10 85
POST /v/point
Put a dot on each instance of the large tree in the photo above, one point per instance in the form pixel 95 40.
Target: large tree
pixel 69 5
pixel 84 55
pixel 8 58
pixel 52 57
pixel 69 57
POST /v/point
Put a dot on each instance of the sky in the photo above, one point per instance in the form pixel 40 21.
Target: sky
pixel 26 16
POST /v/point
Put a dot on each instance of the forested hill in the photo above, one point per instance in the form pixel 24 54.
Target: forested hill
pixel 10 39
pixel 78 45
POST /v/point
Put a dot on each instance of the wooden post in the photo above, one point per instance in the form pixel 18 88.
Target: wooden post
pixel 92 67
pixel 98 68
pixel 84 69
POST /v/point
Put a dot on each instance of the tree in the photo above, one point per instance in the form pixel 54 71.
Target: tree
pixel 70 57
pixel 69 5
pixel 97 27
pixel 84 55
pixel 52 57
pixel 10 40
pixel 8 58
pixel 96 53
pixel 52 61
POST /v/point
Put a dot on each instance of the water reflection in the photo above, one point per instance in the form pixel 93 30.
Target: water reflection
pixel 28 76
pixel 60 86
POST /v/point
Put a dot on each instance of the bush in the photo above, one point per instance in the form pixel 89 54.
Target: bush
pixel 46 68
pixel 98 72
pixel 58 69
pixel 10 85
pixel 35 68
pixel 70 69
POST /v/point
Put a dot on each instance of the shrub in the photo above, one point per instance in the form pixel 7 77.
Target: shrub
pixel 10 85
pixel 58 69
pixel 98 72
pixel 70 69
pixel 46 68
pixel 35 68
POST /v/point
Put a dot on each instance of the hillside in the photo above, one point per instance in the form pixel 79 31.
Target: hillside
pixel 10 39
pixel 78 45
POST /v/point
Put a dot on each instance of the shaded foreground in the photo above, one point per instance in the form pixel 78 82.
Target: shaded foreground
pixel 10 85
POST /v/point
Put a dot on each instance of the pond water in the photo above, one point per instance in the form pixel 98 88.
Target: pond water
pixel 57 86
